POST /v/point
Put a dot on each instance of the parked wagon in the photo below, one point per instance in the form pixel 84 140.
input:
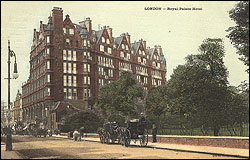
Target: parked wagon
pixel 135 131
pixel 110 133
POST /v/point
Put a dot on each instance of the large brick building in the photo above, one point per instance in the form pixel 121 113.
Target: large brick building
pixel 71 61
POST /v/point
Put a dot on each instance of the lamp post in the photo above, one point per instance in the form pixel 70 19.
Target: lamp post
pixel 15 75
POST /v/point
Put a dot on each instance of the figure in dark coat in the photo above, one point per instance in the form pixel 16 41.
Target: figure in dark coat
pixel 154 132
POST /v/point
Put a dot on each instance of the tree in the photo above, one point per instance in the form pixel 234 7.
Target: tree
pixel 120 96
pixel 156 102
pixel 88 119
pixel 198 89
pixel 239 34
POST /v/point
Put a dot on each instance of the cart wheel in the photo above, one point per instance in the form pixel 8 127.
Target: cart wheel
pixel 144 139
pixel 127 138
pixel 108 138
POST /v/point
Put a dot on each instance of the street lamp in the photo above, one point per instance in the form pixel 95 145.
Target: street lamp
pixel 15 75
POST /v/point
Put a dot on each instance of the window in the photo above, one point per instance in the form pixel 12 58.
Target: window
pixel 69 81
pixel 67 40
pixel 139 59
pixel 69 68
pixel 85 42
pixel 74 55
pixel 65 92
pixel 121 54
pixel 48 51
pixel 64 67
pixel 101 48
pixel 108 41
pixel 48 65
pixel 74 81
pixel 123 46
pixel 103 40
pixel 126 47
pixel 74 68
pixel 64 30
pixel 48 78
pixel 109 50
pixel 86 80
pixel 69 55
pixel 74 93
pixel 65 80
pixel 48 91
pixel 64 55
pixel 48 40
pixel 69 93
pixel 71 31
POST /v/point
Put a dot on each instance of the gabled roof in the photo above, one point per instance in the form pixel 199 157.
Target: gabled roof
pixel 98 35
pixel 118 41
pixel 135 46
pixel 81 29
pixel 151 52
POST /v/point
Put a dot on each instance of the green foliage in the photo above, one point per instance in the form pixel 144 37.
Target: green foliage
pixel 120 96
pixel 197 91
pixel 89 120
pixel 117 118
pixel 239 34
pixel 156 101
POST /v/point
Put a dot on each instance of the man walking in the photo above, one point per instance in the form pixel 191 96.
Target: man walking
pixel 154 132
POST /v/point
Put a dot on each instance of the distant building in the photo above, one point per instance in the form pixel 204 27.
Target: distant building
pixel 17 109
pixel 71 62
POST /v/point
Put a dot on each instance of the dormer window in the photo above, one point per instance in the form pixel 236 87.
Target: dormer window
pixel 143 53
pixel 108 41
pixel 123 47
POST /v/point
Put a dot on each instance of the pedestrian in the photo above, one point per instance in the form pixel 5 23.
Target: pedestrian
pixel 76 134
pixel 8 139
pixel 154 132
pixel 81 133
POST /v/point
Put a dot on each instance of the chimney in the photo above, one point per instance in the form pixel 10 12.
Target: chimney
pixel 109 30
pixel 128 37
pixel 88 24
pixel 144 44
pixel 159 49
pixel 57 19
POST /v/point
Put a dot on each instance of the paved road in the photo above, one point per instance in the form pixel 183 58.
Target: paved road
pixel 57 148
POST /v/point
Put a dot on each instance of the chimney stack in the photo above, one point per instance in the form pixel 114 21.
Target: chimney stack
pixel 87 23
pixel 128 37
pixel 144 44
pixel 109 30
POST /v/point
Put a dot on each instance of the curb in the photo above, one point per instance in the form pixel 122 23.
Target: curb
pixel 178 150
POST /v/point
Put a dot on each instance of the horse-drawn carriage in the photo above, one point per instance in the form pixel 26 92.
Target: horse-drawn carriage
pixel 110 133
pixel 136 130
pixel 36 130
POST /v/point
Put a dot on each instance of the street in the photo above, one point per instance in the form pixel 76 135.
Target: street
pixel 58 148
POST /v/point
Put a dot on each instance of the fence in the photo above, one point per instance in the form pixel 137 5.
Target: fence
pixel 224 131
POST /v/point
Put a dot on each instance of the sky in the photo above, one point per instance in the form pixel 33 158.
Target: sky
pixel 178 32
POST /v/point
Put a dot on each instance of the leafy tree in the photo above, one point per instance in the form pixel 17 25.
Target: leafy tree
pixel 238 111
pixel 198 89
pixel 119 97
pixel 88 119
pixel 239 34
pixel 156 103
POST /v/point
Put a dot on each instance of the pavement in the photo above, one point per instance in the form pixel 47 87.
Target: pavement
pixel 9 154
pixel 219 151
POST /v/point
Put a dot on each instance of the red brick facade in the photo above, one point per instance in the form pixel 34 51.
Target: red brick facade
pixel 72 61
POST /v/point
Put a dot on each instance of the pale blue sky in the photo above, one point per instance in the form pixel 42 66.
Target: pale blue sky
pixel 187 30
